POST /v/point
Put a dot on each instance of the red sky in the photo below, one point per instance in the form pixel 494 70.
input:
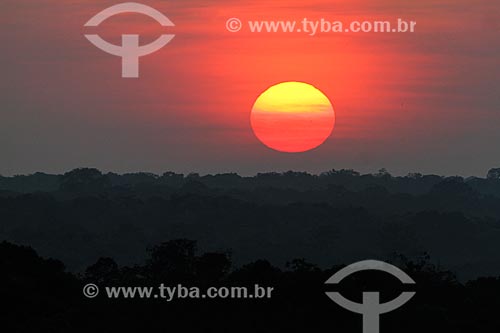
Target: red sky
pixel 426 101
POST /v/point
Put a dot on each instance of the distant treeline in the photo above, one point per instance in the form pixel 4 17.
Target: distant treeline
pixel 89 179
pixel 332 218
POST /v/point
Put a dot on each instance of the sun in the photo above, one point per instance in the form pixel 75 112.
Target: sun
pixel 292 117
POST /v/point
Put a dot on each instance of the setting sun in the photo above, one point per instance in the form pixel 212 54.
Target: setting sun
pixel 292 117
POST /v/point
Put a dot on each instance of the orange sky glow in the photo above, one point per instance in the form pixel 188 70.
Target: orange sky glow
pixel 401 100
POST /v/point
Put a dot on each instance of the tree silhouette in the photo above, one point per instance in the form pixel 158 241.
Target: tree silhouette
pixel 85 181
pixel 173 260
pixel 104 271
pixel 493 174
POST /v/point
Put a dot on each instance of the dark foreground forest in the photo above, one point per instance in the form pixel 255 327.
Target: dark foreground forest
pixel 40 296
pixel 290 231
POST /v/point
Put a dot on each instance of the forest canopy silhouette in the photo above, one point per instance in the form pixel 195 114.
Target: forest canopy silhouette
pixel 288 230
pixel 43 297
pixel 336 217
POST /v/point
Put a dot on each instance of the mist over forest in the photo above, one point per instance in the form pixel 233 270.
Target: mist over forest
pixel 336 217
